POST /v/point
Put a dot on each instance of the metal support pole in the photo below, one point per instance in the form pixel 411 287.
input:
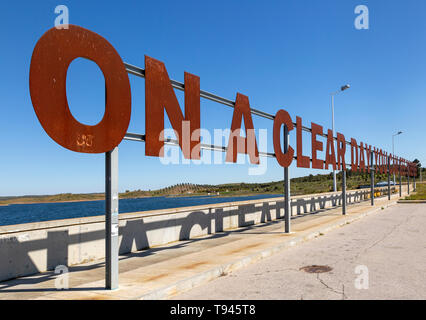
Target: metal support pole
pixel 111 219
pixel 400 182
pixel 408 183
pixel 332 130
pixel 343 192
pixel 393 152
pixel 389 187
pixel 287 208
pixel 414 185
pixel 372 180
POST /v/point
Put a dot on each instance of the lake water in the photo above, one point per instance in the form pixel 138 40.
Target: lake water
pixel 25 213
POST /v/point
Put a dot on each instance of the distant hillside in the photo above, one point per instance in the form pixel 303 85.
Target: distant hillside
pixel 298 186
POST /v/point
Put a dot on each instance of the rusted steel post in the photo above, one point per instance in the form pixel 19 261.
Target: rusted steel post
pixel 372 180
pixel 343 192
pixel 408 183
pixel 389 187
pixel 287 209
pixel 111 219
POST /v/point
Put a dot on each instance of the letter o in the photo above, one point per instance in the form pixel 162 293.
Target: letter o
pixel 282 118
pixel 51 58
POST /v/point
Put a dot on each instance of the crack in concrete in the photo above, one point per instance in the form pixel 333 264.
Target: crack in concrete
pixel 332 289
pixel 276 271
pixel 356 256
pixel 384 237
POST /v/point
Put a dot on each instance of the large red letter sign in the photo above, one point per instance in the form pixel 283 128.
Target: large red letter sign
pixel 159 95
pixel 236 143
pixel 51 58
pixel 302 161
pixel 282 118
pixel 316 146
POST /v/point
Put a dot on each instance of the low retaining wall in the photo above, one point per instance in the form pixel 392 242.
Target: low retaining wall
pixel 36 247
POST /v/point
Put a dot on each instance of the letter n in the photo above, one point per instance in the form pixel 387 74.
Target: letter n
pixel 160 96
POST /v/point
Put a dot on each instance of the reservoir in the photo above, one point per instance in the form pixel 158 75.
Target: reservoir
pixel 26 213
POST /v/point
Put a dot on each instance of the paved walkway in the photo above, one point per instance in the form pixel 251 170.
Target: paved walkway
pixel 164 271
pixel 382 256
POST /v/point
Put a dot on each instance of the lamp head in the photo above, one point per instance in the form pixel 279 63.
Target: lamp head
pixel 343 88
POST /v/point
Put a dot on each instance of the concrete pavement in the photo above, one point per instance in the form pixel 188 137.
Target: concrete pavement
pixel 382 256
pixel 167 270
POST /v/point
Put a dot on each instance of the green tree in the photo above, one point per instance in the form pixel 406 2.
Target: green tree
pixel 418 164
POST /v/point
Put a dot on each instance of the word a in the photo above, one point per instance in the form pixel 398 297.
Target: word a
pixel 62 21
pixel 62 280
pixel 362 20
pixel 361 282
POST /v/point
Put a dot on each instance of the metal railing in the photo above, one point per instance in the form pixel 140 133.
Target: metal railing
pixel 140 72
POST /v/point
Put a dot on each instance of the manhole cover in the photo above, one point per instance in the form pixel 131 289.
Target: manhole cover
pixel 316 269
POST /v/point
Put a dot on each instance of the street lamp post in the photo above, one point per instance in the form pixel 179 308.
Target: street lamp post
pixel 393 150
pixel 342 88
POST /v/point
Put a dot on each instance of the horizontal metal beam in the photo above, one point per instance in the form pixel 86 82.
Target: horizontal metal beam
pixel 173 142
pixel 139 72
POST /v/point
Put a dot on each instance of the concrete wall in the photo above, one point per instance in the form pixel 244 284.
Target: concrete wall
pixel 36 247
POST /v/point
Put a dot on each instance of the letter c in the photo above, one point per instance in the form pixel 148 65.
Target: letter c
pixel 51 58
pixel 282 118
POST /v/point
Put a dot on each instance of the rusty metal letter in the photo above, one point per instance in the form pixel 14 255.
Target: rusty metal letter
pixel 316 146
pixel 302 161
pixel 52 55
pixel 330 155
pixel 160 96
pixel 369 154
pixel 376 156
pixel 236 142
pixel 282 118
pixel 361 157
pixel 341 150
pixel 354 155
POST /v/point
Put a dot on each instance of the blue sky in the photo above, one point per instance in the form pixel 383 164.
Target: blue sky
pixel 282 54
